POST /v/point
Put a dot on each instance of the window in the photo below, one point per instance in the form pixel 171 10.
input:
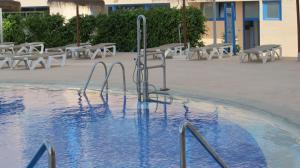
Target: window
pixel 208 11
pixel 251 10
pixel 272 9
pixel 112 8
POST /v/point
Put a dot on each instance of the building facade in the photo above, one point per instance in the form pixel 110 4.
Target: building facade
pixel 249 23
pixel 68 10
pixel 113 5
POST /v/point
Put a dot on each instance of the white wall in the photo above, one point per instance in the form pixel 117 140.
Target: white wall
pixel 28 3
pixel 283 32
pixel 69 10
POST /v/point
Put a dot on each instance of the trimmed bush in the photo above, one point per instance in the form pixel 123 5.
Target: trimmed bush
pixel 118 27
pixel 87 28
pixel 162 27
pixel 13 29
pixel 49 29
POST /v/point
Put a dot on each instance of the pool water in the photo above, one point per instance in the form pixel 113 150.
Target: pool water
pixel 90 134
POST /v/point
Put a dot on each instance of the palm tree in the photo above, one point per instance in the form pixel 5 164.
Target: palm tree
pixel 79 3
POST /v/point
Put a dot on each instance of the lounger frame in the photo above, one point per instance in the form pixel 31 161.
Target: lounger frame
pixel 264 53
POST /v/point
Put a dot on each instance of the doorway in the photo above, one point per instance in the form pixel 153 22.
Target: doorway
pixel 251 34
pixel 251 24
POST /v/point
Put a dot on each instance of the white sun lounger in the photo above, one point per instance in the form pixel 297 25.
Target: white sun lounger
pixel 169 49
pixel 6 48
pixel 31 61
pixel 29 48
pixel 5 60
pixel 264 52
pixel 210 51
pixel 59 57
pixel 74 50
pixel 102 49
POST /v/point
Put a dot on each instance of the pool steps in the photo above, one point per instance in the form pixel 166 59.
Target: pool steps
pixel 182 130
pixel 184 126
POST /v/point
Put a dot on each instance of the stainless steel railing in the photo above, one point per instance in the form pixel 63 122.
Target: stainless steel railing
pixel 91 74
pixel 105 83
pixel 182 130
pixel 163 66
pixel 51 156
pixel 141 67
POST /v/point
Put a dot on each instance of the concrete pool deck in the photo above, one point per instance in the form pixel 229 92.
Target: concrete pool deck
pixel 272 87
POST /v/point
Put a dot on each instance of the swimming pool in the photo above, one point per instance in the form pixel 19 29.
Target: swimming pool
pixel 119 135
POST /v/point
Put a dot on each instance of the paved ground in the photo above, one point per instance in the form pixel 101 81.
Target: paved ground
pixel 273 87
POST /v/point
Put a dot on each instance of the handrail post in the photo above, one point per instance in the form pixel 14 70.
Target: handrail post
pixel 182 149
pixel 51 156
pixel 46 146
pixel 182 131
pixel 139 65
pixel 92 72
pixel 108 74
pixel 138 74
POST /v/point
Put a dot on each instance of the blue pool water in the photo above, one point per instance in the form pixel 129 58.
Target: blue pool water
pixel 120 136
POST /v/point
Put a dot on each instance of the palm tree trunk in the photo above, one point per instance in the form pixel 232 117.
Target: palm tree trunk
pixel 77 25
pixel 185 34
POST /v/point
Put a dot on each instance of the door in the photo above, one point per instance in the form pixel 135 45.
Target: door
pixel 251 34
pixel 251 24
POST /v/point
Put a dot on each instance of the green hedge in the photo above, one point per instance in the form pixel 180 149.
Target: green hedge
pixel 118 27
pixel 48 29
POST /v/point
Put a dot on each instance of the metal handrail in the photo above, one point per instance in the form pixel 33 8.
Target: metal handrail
pixel 51 156
pixel 141 21
pixel 182 130
pixel 92 72
pixel 108 75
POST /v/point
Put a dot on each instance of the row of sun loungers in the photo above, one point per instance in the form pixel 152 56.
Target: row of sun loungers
pixel 32 60
pixel 208 52
pixel 269 52
pixel 169 50
pixel 91 51
pixel 32 54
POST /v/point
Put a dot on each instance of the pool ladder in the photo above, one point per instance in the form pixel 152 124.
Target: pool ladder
pixel 182 131
pixel 142 68
pixel 46 147
pixel 107 73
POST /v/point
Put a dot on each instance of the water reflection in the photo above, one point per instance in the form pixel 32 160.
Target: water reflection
pixel 123 133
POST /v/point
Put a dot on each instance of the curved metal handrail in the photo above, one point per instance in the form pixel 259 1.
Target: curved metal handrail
pixel 46 146
pixel 108 75
pixel 182 130
pixel 92 72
